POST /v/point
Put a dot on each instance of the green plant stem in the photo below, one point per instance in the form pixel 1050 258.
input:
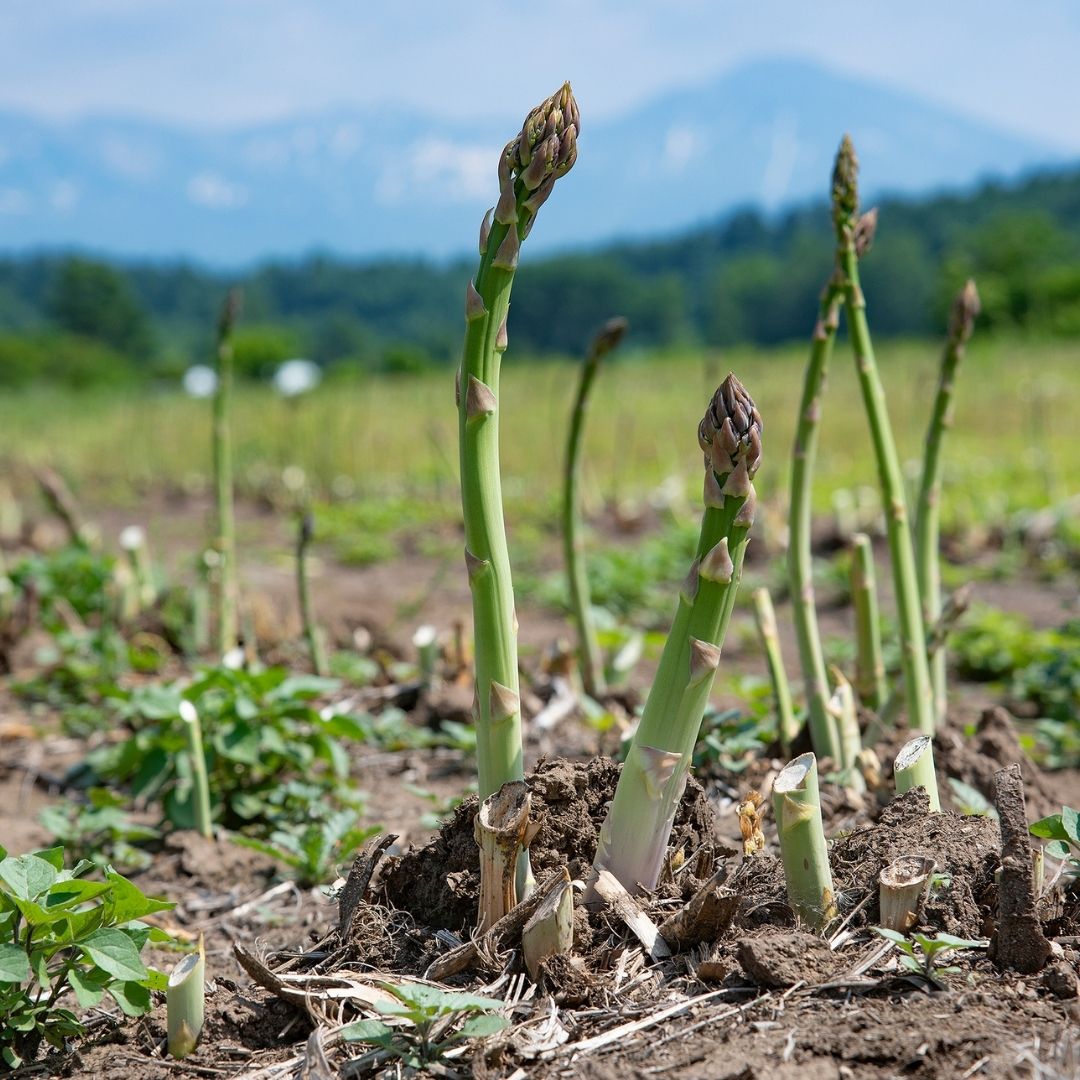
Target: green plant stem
pixel 635 834
pixel 869 661
pixel 764 614
pixel 185 997
pixel 590 659
pixel 225 539
pixel 204 823
pixel 498 704
pixel 312 631
pixel 928 515
pixel 914 767
pixel 797 808
pixel 916 673
pixel 800 521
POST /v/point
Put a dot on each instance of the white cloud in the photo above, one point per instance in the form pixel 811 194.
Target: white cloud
pixel 442 169
pixel 64 196
pixel 212 190
pixel 681 145
pixel 783 154
pixel 13 201
pixel 129 159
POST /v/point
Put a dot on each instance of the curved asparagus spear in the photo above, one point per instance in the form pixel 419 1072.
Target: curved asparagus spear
pixel 532 161
pixel 635 834
pixel 850 236
pixel 765 616
pixel 927 519
pixel 589 658
pixel 225 541
pixel 800 562
pixel 869 662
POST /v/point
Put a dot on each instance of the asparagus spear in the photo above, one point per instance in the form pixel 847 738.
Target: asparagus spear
pixel 851 236
pixel 589 657
pixel 313 632
pixel 532 161
pixel 225 541
pixel 869 663
pixel 765 616
pixel 800 563
pixel 927 519
pixel 635 834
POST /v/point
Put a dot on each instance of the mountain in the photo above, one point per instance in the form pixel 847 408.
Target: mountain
pixel 390 181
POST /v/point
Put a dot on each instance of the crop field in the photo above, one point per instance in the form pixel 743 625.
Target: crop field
pixel 689 712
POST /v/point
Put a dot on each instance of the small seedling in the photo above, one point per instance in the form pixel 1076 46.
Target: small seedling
pixel 919 952
pixel 430 1022
pixel 1063 832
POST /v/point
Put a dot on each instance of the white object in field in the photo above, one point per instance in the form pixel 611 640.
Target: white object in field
pixel 132 537
pixel 296 377
pixel 200 381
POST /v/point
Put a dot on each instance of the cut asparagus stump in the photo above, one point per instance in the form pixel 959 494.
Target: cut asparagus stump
pixel 927 520
pixel 185 1000
pixel 851 240
pixel 590 659
pixel 797 809
pixel 903 885
pixel 914 767
pixel 529 166
pixel 634 836
pixel 765 616
pixel 550 930
pixel 869 662
pixel 503 831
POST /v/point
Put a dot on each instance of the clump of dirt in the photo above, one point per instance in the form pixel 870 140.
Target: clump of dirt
pixel 779 960
pixel 964 850
pixel 439 883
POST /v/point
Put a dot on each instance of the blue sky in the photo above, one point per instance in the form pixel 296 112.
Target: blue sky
pixel 215 63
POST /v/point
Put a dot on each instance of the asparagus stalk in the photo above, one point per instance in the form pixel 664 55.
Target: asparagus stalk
pixel 590 659
pixel 532 161
pixel 197 756
pixel 797 809
pixel 852 237
pixel 185 1001
pixel 634 836
pixel 842 707
pixel 312 631
pixel 800 561
pixel 786 726
pixel 869 662
pixel 225 540
pixel 914 767
pixel 502 830
pixel 928 515
pixel 133 544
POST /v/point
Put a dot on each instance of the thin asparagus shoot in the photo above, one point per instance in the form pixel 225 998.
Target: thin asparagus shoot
pixel 529 166
pixel 823 732
pixel 914 767
pixel 200 798
pixel 765 616
pixel 313 633
pixel 852 234
pixel 869 661
pixel 843 709
pixel 797 809
pixel 590 659
pixel 634 836
pixel 185 1001
pixel 928 514
pixel 225 528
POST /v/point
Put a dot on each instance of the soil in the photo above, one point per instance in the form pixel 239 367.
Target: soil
pixel 767 999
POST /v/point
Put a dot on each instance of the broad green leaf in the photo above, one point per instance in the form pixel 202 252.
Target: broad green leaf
pixel 65 894
pixel 88 990
pixel 1050 828
pixel 370 1031
pixel 132 997
pixel 156 980
pixel 14 964
pixel 114 952
pixel 1070 822
pixel 479 1027
pixel 28 876
pixel 432 999
pixel 1058 849
pixel 128 901
pixel 54 856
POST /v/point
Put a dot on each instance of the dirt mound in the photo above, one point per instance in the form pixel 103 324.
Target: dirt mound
pixel 439 883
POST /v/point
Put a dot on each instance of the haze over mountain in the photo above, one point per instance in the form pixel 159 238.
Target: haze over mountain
pixel 390 181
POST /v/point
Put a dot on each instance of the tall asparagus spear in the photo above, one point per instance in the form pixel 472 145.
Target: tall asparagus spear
pixel 869 662
pixel 532 161
pixel 635 834
pixel 850 236
pixel 225 540
pixel 800 563
pixel 927 519
pixel 589 658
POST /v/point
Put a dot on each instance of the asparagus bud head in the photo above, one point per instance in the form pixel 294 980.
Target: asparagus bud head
pixel 845 184
pixel 965 310
pixel 730 437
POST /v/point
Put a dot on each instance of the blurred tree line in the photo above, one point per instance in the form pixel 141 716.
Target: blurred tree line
pixel 747 278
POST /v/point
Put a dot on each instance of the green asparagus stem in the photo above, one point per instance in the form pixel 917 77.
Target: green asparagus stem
pixel 590 659
pixel 185 1000
pixel 225 540
pixel 928 516
pixel 869 662
pixel 844 713
pixel 852 237
pixel 635 834
pixel 197 757
pixel 765 616
pixel 800 562
pixel 532 161
pixel 312 631
pixel 797 809
pixel 914 767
